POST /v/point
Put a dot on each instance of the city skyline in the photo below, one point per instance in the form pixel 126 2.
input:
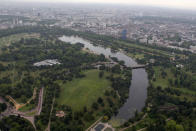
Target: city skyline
pixel 182 4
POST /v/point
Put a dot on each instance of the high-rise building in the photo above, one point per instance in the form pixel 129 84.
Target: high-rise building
pixel 124 34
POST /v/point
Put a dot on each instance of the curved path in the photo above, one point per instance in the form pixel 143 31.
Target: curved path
pixel 39 107
pixel 12 111
pixel 134 123
pixel 48 127
pixel 17 105
pixel 94 124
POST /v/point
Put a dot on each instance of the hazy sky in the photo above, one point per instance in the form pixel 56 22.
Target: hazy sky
pixel 185 4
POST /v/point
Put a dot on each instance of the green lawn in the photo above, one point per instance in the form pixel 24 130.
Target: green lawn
pixel 27 107
pixel 83 92
pixel 194 125
pixel 16 37
pixel 187 91
pixel 144 48
pixel 31 113
pixel 136 55
pixel 164 83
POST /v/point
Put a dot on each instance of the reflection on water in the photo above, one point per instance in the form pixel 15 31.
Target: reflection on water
pixel 137 95
pixel 99 50
pixel 139 82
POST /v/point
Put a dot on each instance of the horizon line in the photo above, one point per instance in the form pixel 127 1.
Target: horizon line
pixel 103 3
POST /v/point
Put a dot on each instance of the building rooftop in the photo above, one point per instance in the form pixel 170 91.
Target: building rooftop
pixel 47 62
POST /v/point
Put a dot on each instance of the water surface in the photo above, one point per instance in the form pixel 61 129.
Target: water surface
pixel 139 82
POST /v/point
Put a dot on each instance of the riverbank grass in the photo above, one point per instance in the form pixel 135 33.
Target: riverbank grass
pixel 84 91
pixel 164 83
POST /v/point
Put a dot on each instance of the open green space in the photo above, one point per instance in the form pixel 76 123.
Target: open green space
pixel 160 81
pixel 136 55
pixel 31 113
pixel 16 37
pixel 27 107
pixel 83 92
pixel 20 79
pixel 164 83
pixel 144 48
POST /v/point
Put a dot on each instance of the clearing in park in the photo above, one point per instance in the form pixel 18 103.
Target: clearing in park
pixel 84 91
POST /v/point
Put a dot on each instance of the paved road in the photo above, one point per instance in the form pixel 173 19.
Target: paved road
pixel 12 111
pixel 94 124
pixel 2 100
pixel 8 111
pixel 39 106
pixel 48 127
pixel 29 118
pixel 142 129
pixel 134 123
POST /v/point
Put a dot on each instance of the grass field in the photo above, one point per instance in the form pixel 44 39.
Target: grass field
pixel 164 83
pixel 144 48
pixel 136 55
pixel 16 37
pixel 31 113
pixel 161 81
pixel 27 107
pixel 83 92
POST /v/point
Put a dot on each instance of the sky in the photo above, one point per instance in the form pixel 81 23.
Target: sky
pixel 183 4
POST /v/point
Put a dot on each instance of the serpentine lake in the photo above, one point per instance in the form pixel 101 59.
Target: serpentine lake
pixel 139 82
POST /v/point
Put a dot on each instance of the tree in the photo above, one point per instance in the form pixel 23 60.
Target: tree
pixel 179 128
pixel 101 73
pixel 133 128
pixel 102 67
pixel 15 123
pixel 116 69
pixel 170 82
pixel 3 107
pixel 88 117
pixel 105 118
pixel 95 106
pixel 107 93
pixel 100 100
pixel 85 109
pixel 171 125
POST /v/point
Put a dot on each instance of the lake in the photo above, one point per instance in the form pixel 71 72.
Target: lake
pixel 139 82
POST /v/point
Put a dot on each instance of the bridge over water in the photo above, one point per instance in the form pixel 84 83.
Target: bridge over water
pixel 138 66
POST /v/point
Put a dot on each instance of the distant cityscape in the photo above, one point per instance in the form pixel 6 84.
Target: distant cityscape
pixel 172 28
